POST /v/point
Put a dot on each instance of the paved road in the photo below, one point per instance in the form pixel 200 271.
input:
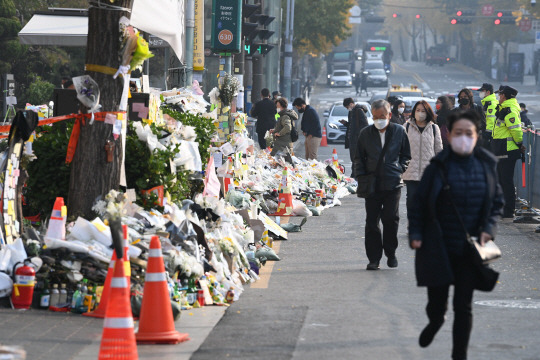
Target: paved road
pixel 321 303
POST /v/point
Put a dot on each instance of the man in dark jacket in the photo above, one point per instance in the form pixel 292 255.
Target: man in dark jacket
pixel 265 112
pixel 383 203
pixel 311 127
pixel 357 121
pixel 525 121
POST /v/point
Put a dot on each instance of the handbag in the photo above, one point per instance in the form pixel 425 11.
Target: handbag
pixel 482 256
pixel 367 183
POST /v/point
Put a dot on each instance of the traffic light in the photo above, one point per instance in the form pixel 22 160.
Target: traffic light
pixel 418 16
pixel 249 23
pixel 395 16
pixel 461 20
pixel 263 49
pixel 504 17
pixel 466 13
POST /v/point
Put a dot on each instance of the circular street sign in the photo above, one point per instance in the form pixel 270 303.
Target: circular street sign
pixel 487 10
pixel 525 25
pixel 225 37
pixel 355 11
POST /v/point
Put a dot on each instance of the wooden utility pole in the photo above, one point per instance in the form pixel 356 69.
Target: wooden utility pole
pixel 91 175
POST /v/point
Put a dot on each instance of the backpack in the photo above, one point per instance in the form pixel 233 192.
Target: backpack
pixel 294 132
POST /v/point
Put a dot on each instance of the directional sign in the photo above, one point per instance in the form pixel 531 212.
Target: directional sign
pixel 525 25
pixel 226 25
pixel 487 10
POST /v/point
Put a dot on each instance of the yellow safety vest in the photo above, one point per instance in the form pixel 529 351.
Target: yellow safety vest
pixel 490 104
pixel 507 128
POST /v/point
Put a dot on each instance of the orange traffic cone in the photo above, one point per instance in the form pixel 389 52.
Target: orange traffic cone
pixel 324 141
pixel 57 223
pixel 118 338
pixel 156 324
pixel 335 158
pixel 285 204
pixel 102 307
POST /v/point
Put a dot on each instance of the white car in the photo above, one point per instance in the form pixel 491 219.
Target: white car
pixel 340 78
pixel 335 131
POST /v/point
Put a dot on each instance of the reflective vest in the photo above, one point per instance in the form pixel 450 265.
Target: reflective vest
pixel 507 131
pixel 490 104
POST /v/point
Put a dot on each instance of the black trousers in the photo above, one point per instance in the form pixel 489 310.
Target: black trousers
pixel 262 141
pixel 412 186
pixel 382 207
pixel 464 280
pixel 505 171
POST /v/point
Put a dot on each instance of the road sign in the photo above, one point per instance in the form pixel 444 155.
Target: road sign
pixel 355 11
pixel 355 20
pixel 226 25
pixel 525 25
pixel 487 10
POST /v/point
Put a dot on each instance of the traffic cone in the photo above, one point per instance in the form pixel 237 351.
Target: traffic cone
pixel 102 307
pixel 285 204
pixel 156 324
pixel 118 338
pixel 324 141
pixel 57 223
pixel 335 158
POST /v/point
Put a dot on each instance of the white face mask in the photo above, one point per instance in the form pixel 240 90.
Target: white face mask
pixel 401 110
pixel 498 97
pixel 420 116
pixel 380 123
pixel 462 145
pixel 482 94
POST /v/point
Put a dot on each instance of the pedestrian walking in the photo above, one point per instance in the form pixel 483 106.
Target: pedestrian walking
pixel 382 156
pixel 311 128
pixel 308 87
pixel 363 83
pixel 284 125
pixel 425 141
pixel 525 121
pixel 275 95
pixel 398 108
pixel 507 144
pixel 461 196
pixel 443 107
pixel 466 102
pixel 489 106
pixel 357 82
pixel 265 112
pixel 357 120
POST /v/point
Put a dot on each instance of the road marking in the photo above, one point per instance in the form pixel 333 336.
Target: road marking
pixel 514 304
pixel 266 271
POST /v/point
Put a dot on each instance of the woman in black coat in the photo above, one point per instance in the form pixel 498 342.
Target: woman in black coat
pixel 443 107
pixel 443 255
pixel 398 108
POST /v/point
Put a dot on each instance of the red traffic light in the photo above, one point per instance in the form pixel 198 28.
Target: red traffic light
pixel 453 22
pixel 500 14
pixel 394 15
pixel 459 13
pixel 497 21
pixel 418 16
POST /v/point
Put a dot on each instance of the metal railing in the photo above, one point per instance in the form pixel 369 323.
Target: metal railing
pixel 527 180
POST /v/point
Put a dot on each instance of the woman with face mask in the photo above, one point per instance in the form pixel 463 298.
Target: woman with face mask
pixel 466 102
pixel 461 182
pixel 426 142
pixel 397 112
pixel 282 131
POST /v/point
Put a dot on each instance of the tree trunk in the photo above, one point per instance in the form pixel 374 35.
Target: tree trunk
pixel 91 175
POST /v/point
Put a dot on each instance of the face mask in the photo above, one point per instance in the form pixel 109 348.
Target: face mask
pixel 301 110
pixel 462 145
pixel 482 94
pixel 498 97
pixel 420 116
pixel 401 110
pixel 463 101
pixel 438 106
pixel 380 123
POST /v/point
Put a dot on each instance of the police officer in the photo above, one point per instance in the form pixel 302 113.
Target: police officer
pixel 489 104
pixel 507 144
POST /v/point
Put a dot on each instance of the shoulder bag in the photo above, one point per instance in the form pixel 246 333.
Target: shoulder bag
pixel 294 132
pixel 482 255
pixel 366 183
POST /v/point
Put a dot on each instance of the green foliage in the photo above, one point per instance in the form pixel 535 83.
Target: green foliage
pixel 9 28
pixel 40 91
pixel 48 174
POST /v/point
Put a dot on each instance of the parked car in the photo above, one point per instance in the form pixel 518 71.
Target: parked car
pixel 341 78
pixel 335 131
pixel 377 77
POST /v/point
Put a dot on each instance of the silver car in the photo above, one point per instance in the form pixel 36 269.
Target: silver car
pixel 335 131
pixel 341 78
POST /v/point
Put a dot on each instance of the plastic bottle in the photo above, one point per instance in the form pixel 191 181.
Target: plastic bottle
pixel 45 297
pixel 87 302
pixel 84 292
pixel 55 296
pixel 69 297
pixel 191 292
pixel 75 299
pixel 63 295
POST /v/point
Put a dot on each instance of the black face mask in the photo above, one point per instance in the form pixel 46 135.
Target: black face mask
pixel 301 110
pixel 463 101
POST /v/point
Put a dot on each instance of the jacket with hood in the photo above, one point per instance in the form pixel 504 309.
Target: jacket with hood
pixel 424 146
pixel 283 128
